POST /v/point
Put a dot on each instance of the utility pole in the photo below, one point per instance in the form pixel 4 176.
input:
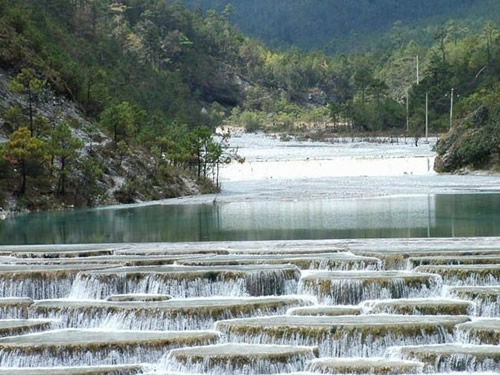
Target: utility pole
pixel 407 111
pixel 418 71
pixel 451 108
pixel 427 117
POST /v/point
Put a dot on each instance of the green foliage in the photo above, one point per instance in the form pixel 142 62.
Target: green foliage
pixel 28 83
pixel 475 140
pixel 251 121
pixel 14 118
pixel 159 78
pixel 362 78
pixel 41 127
pixel 198 142
pixel 215 116
pixel 155 55
pixel 90 191
pixel 196 150
pixel 477 148
pixel 64 146
pixel 4 176
pixel 26 153
pixel 348 26
pixel 390 115
pixel 128 192
pixel 122 121
pixel 175 144
pixel 123 150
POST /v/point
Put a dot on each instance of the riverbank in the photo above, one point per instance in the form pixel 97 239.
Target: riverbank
pixel 67 160
pixel 337 193
pixel 471 145
pixel 305 170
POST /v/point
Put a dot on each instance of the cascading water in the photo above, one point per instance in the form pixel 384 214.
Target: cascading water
pixel 95 347
pixel 14 308
pixel 355 311
pixel 40 281
pixel 82 370
pixel 174 314
pixel 419 306
pixel 364 366
pixel 185 282
pixel 486 298
pixel 470 274
pixel 358 336
pixel 480 331
pixel 349 288
pixel 465 358
pixel 228 359
pixel 341 261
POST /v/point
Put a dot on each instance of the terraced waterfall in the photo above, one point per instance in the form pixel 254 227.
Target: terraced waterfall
pixel 301 307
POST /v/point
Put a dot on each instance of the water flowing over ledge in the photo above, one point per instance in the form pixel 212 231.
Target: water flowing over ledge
pixel 263 308
pixel 227 359
pixel 341 336
pixel 94 370
pixel 379 366
pixel 184 281
pixel 175 314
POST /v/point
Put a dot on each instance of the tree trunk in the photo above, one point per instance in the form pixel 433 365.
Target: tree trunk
pixel 217 177
pixel 488 51
pixel 443 50
pixel 63 177
pixel 23 175
pixel 199 163
pixel 93 17
pixel 31 112
pixel 87 103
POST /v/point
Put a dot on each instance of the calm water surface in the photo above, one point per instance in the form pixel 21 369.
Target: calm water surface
pixel 294 190
pixel 441 215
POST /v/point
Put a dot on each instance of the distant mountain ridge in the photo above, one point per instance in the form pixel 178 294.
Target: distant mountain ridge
pixel 342 25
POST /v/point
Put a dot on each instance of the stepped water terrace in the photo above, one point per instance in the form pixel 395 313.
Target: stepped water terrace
pixel 325 310
pixel 174 314
pixel 471 274
pixel 322 261
pixel 364 366
pixel 15 308
pixel 234 358
pixel 351 287
pixel 40 281
pixel 93 370
pixel 127 260
pixel 360 335
pixel 71 347
pixel 185 281
pixel 481 331
pixel 486 298
pixel 452 357
pixel 419 306
pixel 9 327
pixel 383 307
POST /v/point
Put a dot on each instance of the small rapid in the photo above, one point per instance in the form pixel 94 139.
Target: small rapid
pixel 267 308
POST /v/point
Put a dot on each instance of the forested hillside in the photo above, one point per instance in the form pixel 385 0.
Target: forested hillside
pixel 346 25
pixel 99 96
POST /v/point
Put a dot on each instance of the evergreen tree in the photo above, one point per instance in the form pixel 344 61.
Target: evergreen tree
pixel 26 153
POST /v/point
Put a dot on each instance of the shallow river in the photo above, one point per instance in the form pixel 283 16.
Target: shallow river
pixel 294 190
pixel 333 306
